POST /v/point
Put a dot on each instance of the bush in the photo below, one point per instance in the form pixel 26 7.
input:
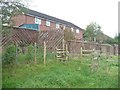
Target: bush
pixel 69 35
pixel 9 55
pixel 30 53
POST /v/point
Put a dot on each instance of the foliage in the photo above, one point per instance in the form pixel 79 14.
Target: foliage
pixel 9 55
pixel 68 35
pixel 71 74
pixel 92 32
pixel 89 33
pixel 110 41
pixel 6 31
pixel 115 40
pixel 11 8
pixel 29 53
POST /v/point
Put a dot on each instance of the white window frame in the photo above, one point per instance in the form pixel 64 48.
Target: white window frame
pixel 72 29
pixel 47 23
pixel 37 20
pixel 77 31
pixel 57 25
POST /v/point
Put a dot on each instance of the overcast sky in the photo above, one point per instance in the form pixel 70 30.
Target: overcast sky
pixel 82 12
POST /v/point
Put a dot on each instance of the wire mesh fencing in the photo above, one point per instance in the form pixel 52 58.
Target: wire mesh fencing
pixel 15 54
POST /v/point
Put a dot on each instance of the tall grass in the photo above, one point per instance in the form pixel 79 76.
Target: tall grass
pixel 55 74
pixel 29 55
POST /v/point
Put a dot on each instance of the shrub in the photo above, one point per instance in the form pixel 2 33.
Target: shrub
pixel 30 52
pixel 68 35
pixel 9 55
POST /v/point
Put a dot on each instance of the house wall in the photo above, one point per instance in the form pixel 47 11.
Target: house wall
pixel 43 25
pixel 79 35
pixel 26 19
pixel 18 20
pixel 22 19
pixel 53 25
pixel 29 20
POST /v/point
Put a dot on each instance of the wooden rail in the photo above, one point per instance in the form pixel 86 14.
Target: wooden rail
pixel 86 52
pixel 62 54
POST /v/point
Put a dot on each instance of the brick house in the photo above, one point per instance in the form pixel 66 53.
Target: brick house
pixel 46 22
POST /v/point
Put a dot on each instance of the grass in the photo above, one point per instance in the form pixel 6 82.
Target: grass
pixel 55 74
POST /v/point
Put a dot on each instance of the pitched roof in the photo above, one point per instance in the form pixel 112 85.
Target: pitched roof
pixel 38 14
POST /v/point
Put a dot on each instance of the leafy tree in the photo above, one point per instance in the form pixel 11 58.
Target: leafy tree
pixel 68 35
pixel 93 32
pixel 115 40
pixel 88 34
pixel 9 8
pixel 110 41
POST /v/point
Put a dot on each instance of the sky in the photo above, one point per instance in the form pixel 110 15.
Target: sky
pixel 82 12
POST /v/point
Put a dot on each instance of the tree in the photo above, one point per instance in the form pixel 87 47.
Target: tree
pixel 9 8
pixel 110 41
pixel 89 33
pixel 93 32
pixel 68 35
pixel 115 40
pixel 99 35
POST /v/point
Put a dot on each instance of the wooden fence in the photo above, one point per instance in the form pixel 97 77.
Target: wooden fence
pixel 19 36
pixel 52 38
pixel 24 37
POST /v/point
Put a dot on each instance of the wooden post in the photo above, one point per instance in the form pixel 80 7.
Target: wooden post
pixel 81 54
pixel 63 48
pixel 63 44
pixel 44 52
pixel 35 53
pixel 107 67
pixel 16 53
pixel 67 52
pixel 92 54
pixel 55 52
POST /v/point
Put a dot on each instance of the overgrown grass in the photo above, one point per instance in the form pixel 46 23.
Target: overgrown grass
pixel 29 55
pixel 55 74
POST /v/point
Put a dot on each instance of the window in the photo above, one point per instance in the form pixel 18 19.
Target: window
pixel 37 21
pixel 47 23
pixel 57 25
pixel 77 30
pixel 72 29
